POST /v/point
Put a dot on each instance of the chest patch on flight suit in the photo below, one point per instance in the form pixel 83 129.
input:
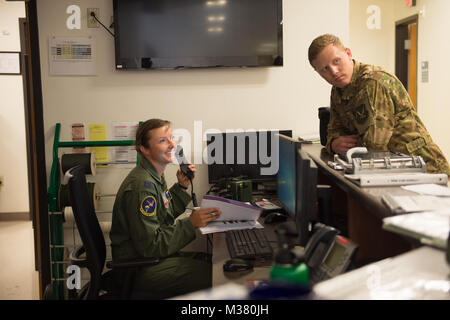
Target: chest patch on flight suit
pixel 361 114
pixel 148 206
pixel 166 197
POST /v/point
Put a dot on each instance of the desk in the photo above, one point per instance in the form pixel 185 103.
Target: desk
pixel 361 209
pixel 419 274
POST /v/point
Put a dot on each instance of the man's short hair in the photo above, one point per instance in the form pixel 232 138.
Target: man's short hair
pixel 320 43
pixel 143 132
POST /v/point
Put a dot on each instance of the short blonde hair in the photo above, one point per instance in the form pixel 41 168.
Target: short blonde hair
pixel 320 43
pixel 143 132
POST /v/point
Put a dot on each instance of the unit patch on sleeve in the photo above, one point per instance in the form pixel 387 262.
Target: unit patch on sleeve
pixel 167 197
pixel 148 206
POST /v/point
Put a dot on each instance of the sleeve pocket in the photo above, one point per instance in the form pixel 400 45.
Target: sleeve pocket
pixel 416 144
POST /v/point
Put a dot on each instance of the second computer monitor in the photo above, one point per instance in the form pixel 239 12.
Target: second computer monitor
pixel 297 184
pixel 306 199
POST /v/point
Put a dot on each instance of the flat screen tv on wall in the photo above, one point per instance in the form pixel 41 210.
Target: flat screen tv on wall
pixel 177 34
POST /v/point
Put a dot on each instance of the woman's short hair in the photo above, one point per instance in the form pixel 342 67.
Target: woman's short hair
pixel 143 132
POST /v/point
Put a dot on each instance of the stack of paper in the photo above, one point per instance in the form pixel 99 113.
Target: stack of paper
pixel 431 227
pixel 415 203
pixel 429 197
pixel 429 189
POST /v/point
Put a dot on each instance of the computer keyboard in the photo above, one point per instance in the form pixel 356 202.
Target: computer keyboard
pixel 250 244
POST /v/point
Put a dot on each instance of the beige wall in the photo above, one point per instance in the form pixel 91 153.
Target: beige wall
pixel 13 165
pixel 378 47
pixel 259 98
pixel 374 46
pixel 433 98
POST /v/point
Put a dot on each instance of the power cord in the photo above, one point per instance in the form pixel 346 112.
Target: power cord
pixel 95 17
pixel 193 196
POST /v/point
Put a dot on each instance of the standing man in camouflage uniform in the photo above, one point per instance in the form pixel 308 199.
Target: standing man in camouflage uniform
pixel 370 107
pixel 143 223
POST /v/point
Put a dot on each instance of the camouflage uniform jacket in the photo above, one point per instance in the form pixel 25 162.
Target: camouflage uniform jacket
pixel 144 213
pixel 376 107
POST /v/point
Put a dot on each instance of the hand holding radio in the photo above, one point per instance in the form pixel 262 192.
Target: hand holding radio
pixel 186 172
pixel 185 178
pixel 186 168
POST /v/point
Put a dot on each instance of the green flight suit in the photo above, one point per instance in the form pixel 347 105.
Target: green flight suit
pixel 143 225
pixel 376 107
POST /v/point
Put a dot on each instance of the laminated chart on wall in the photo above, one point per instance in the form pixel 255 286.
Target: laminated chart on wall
pixel 72 56
pixel 125 131
pixel 97 132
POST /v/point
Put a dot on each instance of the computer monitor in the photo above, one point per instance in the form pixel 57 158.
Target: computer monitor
pixel 297 186
pixel 287 181
pixel 247 154
pixel 306 200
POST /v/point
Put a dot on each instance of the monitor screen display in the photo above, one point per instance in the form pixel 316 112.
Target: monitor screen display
pixel 287 181
pixel 197 33
pixel 253 155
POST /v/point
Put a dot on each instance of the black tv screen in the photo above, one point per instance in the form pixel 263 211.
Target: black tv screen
pixel 173 34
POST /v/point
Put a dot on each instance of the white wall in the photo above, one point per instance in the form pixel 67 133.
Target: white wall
pixel 433 98
pixel 378 47
pixel 13 165
pixel 373 46
pixel 261 98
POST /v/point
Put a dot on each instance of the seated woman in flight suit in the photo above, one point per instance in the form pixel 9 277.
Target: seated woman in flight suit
pixel 143 223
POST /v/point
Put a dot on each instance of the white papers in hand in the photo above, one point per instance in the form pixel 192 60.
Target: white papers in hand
pixel 235 215
pixel 231 209
pixel 221 226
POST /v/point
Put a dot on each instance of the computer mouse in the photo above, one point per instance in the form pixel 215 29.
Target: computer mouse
pixel 233 265
pixel 274 217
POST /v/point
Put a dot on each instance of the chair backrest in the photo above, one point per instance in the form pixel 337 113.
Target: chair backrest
pixel 88 227
pixel 324 118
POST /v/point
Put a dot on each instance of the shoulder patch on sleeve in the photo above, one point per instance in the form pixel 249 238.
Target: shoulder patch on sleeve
pixel 148 206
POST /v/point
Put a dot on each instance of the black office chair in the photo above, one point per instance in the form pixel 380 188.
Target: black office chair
pixel 101 285
pixel 324 117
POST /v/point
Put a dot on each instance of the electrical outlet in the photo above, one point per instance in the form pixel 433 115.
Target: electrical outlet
pixel 91 22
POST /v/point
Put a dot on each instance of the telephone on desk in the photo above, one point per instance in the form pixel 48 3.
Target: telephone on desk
pixel 328 254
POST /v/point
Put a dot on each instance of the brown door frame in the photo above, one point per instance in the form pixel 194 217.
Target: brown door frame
pixel 35 141
pixel 401 55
